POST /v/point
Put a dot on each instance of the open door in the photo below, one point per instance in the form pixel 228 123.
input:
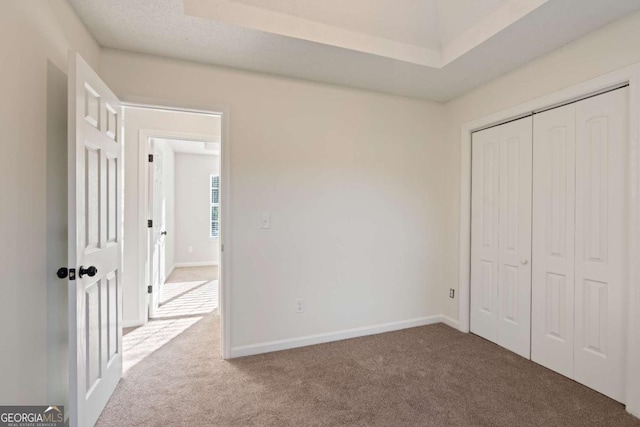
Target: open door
pixel 95 243
pixel 158 229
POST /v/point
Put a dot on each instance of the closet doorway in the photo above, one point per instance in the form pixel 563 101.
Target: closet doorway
pixel 549 245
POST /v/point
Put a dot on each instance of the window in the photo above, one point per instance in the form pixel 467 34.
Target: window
pixel 214 216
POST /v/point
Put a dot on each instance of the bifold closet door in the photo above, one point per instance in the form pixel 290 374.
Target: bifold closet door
pixel 553 239
pixel 501 235
pixel 601 242
pixel 579 243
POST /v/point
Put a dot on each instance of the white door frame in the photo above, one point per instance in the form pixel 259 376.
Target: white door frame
pixel 225 201
pixel 631 76
pixel 144 136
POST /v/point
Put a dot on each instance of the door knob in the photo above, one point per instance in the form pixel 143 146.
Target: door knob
pixel 164 233
pixel 524 262
pixel 90 271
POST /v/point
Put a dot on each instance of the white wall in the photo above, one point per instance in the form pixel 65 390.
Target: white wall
pixel 610 48
pixel 352 181
pixel 192 209
pixel 34 40
pixel 134 294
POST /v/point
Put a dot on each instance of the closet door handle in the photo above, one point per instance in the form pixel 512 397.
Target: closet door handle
pixel 524 261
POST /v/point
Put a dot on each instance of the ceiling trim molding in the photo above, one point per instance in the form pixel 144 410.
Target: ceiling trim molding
pixel 282 24
pixel 500 19
pixel 273 22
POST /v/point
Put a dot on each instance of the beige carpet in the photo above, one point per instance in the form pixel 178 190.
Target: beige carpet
pixel 427 376
pixel 190 274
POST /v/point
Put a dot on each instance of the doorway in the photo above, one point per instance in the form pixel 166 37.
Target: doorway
pixel 184 213
pixel 173 268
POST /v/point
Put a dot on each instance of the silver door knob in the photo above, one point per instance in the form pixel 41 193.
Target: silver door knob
pixel 524 262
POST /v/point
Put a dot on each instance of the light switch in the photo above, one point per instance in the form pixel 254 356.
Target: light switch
pixel 266 221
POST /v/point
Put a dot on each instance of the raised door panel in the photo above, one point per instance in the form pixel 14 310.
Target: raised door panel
pixel 484 233
pixel 514 241
pixel 601 239
pixel 553 239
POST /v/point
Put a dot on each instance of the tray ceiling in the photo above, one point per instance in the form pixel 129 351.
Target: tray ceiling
pixel 430 49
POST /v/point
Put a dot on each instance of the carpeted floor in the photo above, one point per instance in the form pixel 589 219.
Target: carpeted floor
pixel 188 295
pixel 426 376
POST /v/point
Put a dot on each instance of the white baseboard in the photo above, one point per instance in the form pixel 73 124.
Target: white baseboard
pixel 450 322
pixel 166 276
pixel 131 323
pixel 194 264
pixel 267 347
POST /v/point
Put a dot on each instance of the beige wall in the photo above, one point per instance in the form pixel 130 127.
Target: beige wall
pixel 352 181
pixel 34 39
pixel 610 48
pixel 362 188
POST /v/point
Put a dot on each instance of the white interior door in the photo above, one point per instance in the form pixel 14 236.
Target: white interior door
pixel 485 208
pixel 158 229
pixel 95 242
pixel 601 242
pixel 501 235
pixel 514 243
pixel 553 239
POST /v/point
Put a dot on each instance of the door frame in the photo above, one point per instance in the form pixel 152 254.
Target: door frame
pixel 626 76
pixel 144 144
pixel 224 267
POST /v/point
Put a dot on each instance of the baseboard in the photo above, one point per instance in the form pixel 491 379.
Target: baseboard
pixel 194 264
pixel 450 322
pixel 267 347
pixel 166 276
pixel 131 323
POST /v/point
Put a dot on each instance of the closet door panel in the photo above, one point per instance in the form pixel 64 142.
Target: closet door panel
pixel 600 252
pixel 553 239
pixel 484 233
pixel 514 237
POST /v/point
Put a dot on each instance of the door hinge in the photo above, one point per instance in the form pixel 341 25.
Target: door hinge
pixel 221 248
pixel 150 223
pixel 150 158
pixel 149 289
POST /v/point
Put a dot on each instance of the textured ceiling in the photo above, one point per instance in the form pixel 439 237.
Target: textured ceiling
pixel 463 44
pixel 410 32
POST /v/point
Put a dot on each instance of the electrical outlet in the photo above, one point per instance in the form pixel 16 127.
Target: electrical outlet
pixel 452 293
pixel 299 306
pixel 190 249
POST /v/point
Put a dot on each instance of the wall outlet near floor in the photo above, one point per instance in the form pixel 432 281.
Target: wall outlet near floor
pixel 190 249
pixel 452 293
pixel 299 305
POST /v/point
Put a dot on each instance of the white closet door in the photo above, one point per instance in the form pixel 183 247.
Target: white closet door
pixel 553 239
pixel 501 235
pixel 514 241
pixel 600 269
pixel 484 233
